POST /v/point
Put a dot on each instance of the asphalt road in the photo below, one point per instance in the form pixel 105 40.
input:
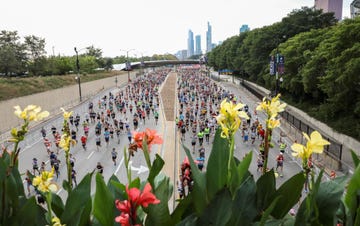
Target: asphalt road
pixel 86 161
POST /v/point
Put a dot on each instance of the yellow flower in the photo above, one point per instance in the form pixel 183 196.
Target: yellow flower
pixel 56 222
pixel 66 114
pixel 44 181
pixel 272 107
pixel 315 144
pixel 273 123
pixel 229 117
pixel 31 113
pixel 65 142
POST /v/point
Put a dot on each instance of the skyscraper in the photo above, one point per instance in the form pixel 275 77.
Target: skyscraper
pixel 208 38
pixel 198 45
pixel 327 6
pixel 244 28
pixel 190 50
pixel 355 8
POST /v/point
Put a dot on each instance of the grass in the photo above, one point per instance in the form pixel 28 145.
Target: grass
pixel 18 87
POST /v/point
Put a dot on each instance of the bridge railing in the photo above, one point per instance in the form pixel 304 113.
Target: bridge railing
pixel 334 151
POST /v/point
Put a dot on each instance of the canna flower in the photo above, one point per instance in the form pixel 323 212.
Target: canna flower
pixel 150 135
pixel 273 123
pixel 272 107
pixel 30 113
pixel 56 222
pixel 66 114
pixel 44 181
pixel 315 144
pixel 229 117
pixel 65 142
pixel 135 199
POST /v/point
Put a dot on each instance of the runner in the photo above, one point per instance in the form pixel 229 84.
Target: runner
pixel 83 141
pixel 280 163
pixel 113 156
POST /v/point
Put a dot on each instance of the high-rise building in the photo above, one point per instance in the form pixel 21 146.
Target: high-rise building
pixel 244 28
pixel 190 50
pixel 327 6
pixel 208 38
pixel 198 45
pixel 355 8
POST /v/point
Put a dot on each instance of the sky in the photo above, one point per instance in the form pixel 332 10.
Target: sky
pixel 145 27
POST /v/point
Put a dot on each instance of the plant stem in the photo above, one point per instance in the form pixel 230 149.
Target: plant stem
pixel 231 156
pixel 48 203
pixel 68 167
pixel 14 155
pixel 266 150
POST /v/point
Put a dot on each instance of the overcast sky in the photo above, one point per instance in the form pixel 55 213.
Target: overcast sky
pixel 148 26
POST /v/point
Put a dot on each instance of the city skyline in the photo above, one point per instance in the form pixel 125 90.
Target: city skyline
pixel 149 27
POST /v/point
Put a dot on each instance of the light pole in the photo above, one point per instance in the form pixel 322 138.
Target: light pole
pixel 128 65
pixel 78 72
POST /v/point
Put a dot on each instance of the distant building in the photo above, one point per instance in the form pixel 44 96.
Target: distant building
pixel 190 50
pixel 181 54
pixel 355 8
pixel 208 38
pixel 198 45
pixel 244 28
pixel 327 6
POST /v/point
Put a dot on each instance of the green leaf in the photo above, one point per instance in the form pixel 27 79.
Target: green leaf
pixel 219 210
pixel 244 205
pixel 189 221
pixel 57 204
pixel 104 203
pixel 159 214
pixel 182 208
pixel 289 193
pixel 352 194
pixel 267 212
pixel 85 216
pixel 265 190
pixel 242 172
pixel 355 158
pixel 116 188
pixel 216 170
pixel 328 198
pixel 199 189
pixel 155 169
pixel 135 183
pixel 31 214
pixel 76 202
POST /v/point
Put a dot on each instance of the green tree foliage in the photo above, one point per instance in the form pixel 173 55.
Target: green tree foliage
pixel 12 54
pixel 35 48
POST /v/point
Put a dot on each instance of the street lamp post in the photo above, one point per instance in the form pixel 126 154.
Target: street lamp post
pixel 128 66
pixel 78 72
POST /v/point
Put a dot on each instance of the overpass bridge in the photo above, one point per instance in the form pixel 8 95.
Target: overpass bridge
pixel 155 63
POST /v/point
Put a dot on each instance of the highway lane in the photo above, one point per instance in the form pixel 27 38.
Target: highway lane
pixel 291 167
pixel 86 161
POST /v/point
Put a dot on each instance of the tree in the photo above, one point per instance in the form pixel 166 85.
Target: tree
pixel 35 47
pixel 12 54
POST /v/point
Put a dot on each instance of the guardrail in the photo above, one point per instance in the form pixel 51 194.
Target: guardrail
pixel 334 151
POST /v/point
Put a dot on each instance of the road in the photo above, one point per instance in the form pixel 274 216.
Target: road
pixel 86 160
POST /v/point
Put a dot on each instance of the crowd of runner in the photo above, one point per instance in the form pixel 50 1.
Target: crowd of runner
pixel 107 120
pixel 117 114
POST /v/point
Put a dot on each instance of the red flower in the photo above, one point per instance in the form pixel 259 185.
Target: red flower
pixel 142 199
pixel 135 199
pixel 151 138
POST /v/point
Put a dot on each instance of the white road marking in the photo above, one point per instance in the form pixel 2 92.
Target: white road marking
pixel 60 190
pixel 90 155
pixel 118 168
